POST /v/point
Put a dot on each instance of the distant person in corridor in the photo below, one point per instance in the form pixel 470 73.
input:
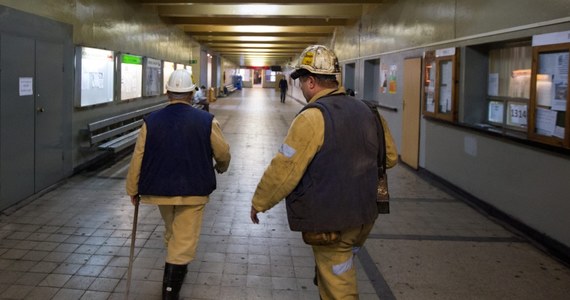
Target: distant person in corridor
pixel 202 98
pixel 172 167
pixel 283 86
pixel 327 168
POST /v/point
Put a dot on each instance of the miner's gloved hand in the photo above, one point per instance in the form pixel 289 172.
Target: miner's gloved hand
pixel 218 169
pixel 135 199
pixel 253 215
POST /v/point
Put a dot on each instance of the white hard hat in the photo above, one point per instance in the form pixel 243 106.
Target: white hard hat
pixel 180 81
pixel 316 59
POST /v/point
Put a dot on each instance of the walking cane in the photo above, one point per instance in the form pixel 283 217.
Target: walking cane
pixel 132 252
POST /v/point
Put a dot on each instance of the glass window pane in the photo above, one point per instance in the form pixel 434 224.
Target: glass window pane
pixel 511 66
pixel 551 93
pixel 445 87
pixel 430 87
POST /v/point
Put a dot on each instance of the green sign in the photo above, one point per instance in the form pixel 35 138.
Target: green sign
pixel 131 59
pixel 193 61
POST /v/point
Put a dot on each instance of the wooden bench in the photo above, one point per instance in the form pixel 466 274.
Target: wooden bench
pixel 118 132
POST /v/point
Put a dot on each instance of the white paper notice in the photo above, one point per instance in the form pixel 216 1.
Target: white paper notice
pixel 496 111
pixel 559 105
pixel 517 114
pixel 559 132
pixel 493 84
pixel 26 86
pixel 545 121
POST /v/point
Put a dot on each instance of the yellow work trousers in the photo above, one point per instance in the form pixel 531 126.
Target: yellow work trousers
pixel 183 224
pixel 336 273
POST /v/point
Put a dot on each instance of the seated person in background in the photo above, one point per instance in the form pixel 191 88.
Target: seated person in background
pixel 200 98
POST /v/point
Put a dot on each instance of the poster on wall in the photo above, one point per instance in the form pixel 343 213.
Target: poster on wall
pixel 167 69
pixel 131 76
pixel 383 78
pixel 97 76
pixel 153 71
pixel 392 86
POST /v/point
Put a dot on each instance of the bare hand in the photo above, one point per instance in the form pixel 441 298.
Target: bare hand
pixel 253 215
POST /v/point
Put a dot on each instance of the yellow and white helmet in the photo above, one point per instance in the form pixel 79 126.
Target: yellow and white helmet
pixel 316 59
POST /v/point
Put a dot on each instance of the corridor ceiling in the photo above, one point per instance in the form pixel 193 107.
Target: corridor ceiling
pixel 257 34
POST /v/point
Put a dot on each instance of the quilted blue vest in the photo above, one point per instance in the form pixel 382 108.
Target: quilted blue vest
pixel 177 158
pixel 338 189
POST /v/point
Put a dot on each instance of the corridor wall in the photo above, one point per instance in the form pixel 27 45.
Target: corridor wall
pixel 523 182
pixel 121 26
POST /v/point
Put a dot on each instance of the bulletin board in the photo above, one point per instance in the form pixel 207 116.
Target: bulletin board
pixel 152 77
pixel 97 76
pixel 131 76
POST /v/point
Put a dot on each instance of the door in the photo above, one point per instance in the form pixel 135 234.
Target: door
pixel 411 112
pixel 31 122
pixel 16 119
pixel 48 112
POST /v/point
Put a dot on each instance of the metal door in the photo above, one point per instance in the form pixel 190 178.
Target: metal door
pixel 16 119
pixel 48 112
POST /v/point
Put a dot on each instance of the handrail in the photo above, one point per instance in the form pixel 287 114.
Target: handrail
pixel 390 108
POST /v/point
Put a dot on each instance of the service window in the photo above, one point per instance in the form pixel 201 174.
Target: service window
pixel 440 81
pixel 549 100
pixel 508 86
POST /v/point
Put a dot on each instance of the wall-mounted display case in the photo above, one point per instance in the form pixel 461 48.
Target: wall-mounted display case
pixel 152 77
pixel 548 119
pixel 97 75
pixel 131 76
pixel 440 81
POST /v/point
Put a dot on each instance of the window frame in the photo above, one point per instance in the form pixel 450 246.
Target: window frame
pixel 533 105
pixel 431 57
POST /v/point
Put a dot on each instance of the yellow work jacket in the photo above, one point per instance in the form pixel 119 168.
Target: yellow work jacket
pixel 304 139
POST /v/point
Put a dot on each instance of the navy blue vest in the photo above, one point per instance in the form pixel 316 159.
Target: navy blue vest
pixel 177 157
pixel 338 189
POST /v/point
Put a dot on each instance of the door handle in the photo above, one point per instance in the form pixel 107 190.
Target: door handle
pixel 40 109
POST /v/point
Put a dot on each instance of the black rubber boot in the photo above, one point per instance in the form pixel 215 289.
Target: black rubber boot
pixel 172 281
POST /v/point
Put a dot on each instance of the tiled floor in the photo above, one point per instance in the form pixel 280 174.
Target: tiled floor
pixel 74 242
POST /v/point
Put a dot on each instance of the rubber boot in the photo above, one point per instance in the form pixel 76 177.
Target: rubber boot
pixel 172 281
